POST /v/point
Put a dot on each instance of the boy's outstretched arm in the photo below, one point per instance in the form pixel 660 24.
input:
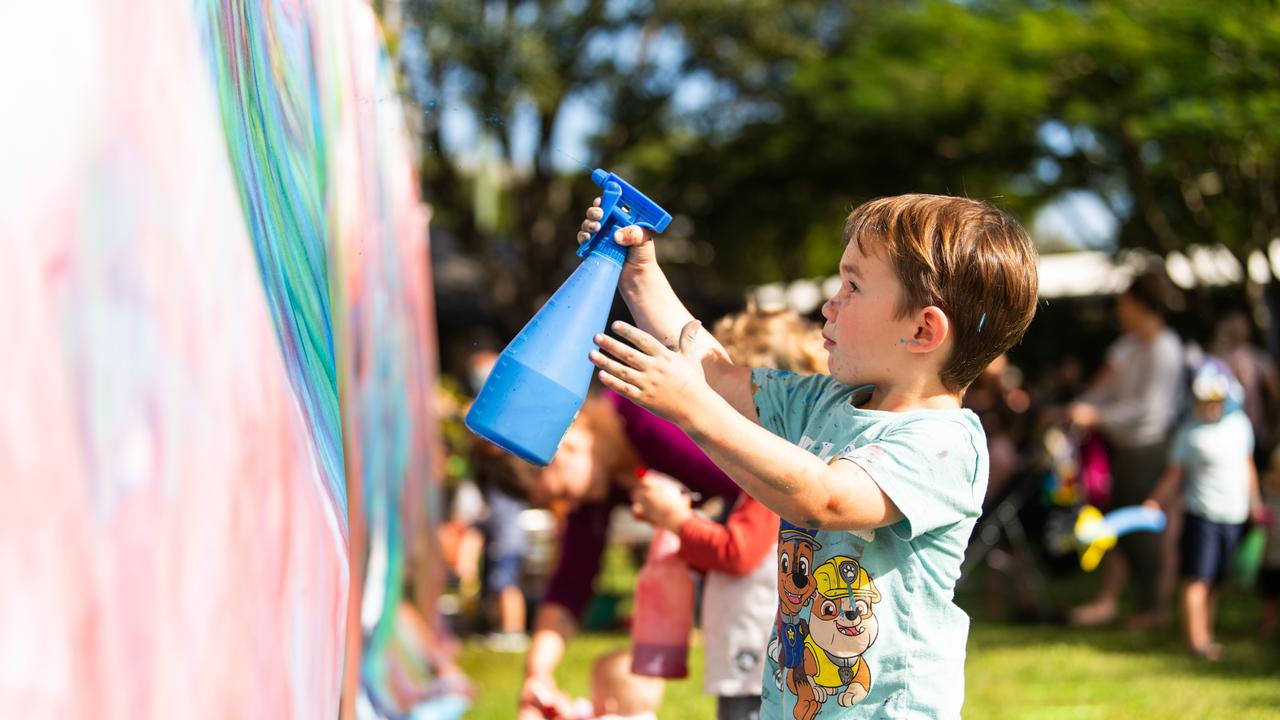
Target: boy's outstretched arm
pixel 792 482
pixel 658 311
pixel 1165 488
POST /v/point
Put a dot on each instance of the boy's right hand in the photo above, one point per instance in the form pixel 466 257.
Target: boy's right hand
pixel 640 253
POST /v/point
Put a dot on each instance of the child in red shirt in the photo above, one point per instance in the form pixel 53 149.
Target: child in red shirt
pixel 740 589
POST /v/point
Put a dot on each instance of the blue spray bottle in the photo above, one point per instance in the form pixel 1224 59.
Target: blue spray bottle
pixel 540 380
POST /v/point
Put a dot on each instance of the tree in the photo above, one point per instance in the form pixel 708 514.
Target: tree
pixel 1162 108
pixel 522 61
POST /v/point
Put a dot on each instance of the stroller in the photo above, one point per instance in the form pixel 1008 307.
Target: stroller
pixel 1028 526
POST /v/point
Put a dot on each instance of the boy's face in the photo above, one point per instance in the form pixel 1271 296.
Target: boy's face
pixel 864 337
pixel 572 471
pixel 1208 410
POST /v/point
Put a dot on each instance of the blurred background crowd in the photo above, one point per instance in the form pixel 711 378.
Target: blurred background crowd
pixel 1133 139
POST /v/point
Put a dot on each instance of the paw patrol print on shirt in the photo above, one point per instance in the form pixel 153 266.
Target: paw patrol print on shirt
pixel 901 654
pixel 796 546
pixel 842 625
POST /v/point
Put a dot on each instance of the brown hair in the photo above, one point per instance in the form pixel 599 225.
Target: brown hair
pixel 1151 290
pixel 772 338
pixel 966 257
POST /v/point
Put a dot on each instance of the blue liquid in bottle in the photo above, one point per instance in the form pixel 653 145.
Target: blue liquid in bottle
pixel 533 405
pixel 540 380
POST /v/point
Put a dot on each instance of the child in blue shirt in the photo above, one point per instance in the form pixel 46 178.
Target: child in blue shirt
pixel 875 469
pixel 1211 457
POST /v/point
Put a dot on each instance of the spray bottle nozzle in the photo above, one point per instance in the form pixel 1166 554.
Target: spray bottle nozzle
pixel 623 205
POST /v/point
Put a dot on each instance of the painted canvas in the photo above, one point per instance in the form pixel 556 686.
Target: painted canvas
pixel 218 304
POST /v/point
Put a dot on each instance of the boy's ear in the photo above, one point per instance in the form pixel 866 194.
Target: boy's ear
pixel 933 327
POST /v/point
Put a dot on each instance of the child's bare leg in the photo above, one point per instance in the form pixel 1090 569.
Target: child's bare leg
pixel 1211 616
pixel 1195 616
pixel 1102 609
pixel 511 611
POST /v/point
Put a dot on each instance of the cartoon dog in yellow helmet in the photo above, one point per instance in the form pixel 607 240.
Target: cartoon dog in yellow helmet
pixel 842 625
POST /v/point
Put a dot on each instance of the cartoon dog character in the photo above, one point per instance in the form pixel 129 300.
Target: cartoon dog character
pixel 842 625
pixel 796 546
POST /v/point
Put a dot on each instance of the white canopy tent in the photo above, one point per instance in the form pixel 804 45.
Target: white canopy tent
pixel 1076 274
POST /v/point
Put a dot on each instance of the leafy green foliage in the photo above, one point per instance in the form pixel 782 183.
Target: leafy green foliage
pixel 1165 109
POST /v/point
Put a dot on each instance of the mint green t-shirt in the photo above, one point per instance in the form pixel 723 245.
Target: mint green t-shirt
pixel 866 626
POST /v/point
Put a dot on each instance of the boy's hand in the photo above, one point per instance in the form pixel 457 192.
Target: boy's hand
pixel 661 501
pixel 668 382
pixel 640 241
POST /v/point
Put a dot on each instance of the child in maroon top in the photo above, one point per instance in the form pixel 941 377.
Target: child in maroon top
pixel 739 595
pixel 595 470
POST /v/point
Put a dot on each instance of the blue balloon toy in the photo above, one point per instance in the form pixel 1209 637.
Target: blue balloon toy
pixel 1097 533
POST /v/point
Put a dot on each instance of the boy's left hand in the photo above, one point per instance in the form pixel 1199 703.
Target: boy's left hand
pixel 670 382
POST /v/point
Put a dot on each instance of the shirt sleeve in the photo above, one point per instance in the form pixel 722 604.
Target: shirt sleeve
pixel 663 446
pixel 1156 397
pixel 781 397
pixel 933 471
pixel 581 549
pixel 1101 393
pixel 738 546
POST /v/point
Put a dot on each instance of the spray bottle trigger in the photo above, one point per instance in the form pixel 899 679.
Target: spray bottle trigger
pixel 609 200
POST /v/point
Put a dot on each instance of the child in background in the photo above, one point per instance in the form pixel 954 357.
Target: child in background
pixel 1269 574
pixel 740 588
pixel 505 545
pixel 1213 452
pixel 616 693
pixel 879 474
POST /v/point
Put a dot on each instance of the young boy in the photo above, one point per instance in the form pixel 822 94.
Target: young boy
pixel 1213 452
pixel 878 474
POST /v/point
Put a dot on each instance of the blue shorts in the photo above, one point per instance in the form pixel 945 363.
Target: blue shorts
pixel 1206 548
pixel 502 572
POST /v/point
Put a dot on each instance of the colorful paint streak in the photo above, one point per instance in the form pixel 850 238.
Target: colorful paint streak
pixel 263 65
pixel 383 275
pixel 216 283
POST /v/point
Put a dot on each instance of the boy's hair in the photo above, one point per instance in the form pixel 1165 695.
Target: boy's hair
pixel 772 338
pixel 966 257
pixel 615 690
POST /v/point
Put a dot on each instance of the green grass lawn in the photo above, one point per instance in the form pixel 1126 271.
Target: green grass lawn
pixel 1013 671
